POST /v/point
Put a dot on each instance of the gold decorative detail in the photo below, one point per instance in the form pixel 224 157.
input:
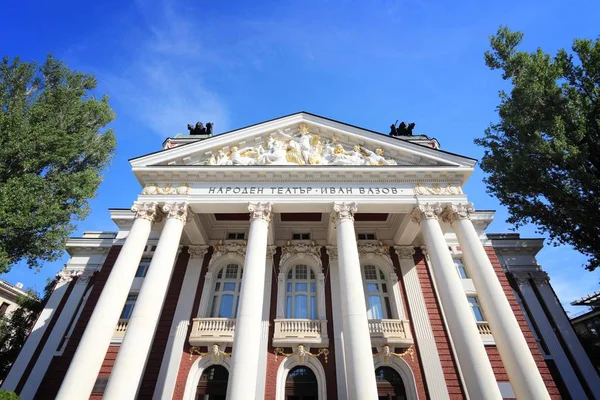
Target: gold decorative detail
pixel 436 189
pixel 215 351
pixel 303 129
pixel 301 353
pixel 153 188
pixel 386 352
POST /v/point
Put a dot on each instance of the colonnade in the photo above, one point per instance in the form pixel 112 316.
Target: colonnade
pixel 360 376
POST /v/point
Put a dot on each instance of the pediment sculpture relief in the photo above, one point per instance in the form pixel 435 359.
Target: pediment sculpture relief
pixel 300 148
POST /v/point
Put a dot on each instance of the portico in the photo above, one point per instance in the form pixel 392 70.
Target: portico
pixel 298 186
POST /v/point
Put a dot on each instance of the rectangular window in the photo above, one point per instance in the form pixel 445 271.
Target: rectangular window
pixel 301 236
pixel 3 309
pixel 367 236
pixel 128 308
pixel 143 267
pixel 460 267
pixel 477 312
pixel 236 235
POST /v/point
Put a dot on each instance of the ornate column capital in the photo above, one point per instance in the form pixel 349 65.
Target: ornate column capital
pixel 332 251
pixel 454 212
pixel 260 211
pixel 343 212
pixel 84 277
pixel 146 210
pixel 427 211
pixel 404 251
pixel 271 250
pixel 176 210
pixel 197 250
pixel 66 276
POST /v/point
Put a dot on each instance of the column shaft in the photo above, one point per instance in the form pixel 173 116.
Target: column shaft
pixel 129 366
pixel 474 363
pixel 360 370
pixel 248 326
pixel 520 366
pixel 87 361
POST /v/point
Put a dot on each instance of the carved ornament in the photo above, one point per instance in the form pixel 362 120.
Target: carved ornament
pixel 84 277
pixel 67 275
pixel 459 211
pixel 343 212
pixel 301 251
pixel 386 352
pixel 197 250
pixel 176 210
pixel 436 189
pixel 404 251
pixel 301 353
pixel 332 251
pixel 215 351
pixel 427 211
pixel 178 189
pixel 146 210
pixel 260 211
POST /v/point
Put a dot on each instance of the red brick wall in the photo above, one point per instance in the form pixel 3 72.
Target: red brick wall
pixel 59 365
pixel 107 364
pixel 448 362
pixel 492 351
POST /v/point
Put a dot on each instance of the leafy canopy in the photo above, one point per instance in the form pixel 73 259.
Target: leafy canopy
pixel 52 152
pixel 543 156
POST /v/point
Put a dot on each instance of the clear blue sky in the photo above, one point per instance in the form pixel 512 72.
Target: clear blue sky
pixel 168 63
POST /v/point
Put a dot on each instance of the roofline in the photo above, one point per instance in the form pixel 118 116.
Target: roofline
pixel 308 113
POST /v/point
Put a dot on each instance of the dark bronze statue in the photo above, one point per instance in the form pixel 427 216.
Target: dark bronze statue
pixel 402 130
pixel 199 128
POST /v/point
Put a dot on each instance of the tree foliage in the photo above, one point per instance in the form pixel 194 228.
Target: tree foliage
pixel 52 152
pixel 15 326
pixel 543 156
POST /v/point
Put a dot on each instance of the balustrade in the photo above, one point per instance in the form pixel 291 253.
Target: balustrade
pixel 390 331
pixel 206 331
pixel 300 331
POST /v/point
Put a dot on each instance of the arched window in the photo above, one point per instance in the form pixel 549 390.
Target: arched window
pixel 226 292
pixel 213 383
pixel 301 384
pixel 376 293
pixel 301 293
pixel 389 384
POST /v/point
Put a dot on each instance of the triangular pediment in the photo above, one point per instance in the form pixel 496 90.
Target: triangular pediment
pixel 302 139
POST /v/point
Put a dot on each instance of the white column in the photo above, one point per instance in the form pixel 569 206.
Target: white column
pixel 88 358
pixel 169 368
pixel 547 332
pixel 474 363
pixel 248 326
pixel 541 281
pixel 58 332
pixel 520 366
pixel 338 334
pixel 429 356
pixel 20 364
pixel 360 370
pixel 129 366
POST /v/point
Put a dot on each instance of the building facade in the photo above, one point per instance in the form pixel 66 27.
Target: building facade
pixel 9 297
pixel 298 258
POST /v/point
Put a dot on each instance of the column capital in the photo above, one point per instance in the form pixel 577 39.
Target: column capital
pixel 459 211
pixel 343 212
pixel 427 211
pixel 404 251
pixel 260 211
pixel 332 251
pixel 66 276
pixel 271 250
pixel 197 250
pixel 146 210
pixel 177 210
pixel 84 277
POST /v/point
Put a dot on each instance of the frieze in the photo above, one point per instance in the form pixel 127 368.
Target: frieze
pixel 155 189
pixel 435 189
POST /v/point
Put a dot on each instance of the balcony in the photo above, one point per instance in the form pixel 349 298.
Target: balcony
pixel 390 331
pixel 120 330
pixel 290 332
pixel 207 331
pixel 485 332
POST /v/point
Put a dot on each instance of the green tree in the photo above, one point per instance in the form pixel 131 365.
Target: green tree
pixel 543 156
pixel 53 147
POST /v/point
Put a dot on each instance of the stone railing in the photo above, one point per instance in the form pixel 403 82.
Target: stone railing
pixel 120 329
pixel 390 331
pixel 484 328
pixel 300 331
pixel 207 331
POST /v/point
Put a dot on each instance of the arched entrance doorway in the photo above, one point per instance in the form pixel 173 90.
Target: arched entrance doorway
pixel 213 383
pixel 389 384
pixel 301 384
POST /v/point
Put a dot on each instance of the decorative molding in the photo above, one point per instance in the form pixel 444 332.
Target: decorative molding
pixel 343 212
pixel 386 352
pixel 197 250
pixel 260 211
pixel 271 250
pixel 374 249
pixel 427 211
pixel 146 210
pixel 66 276
pixel 404 251
pixel 301 353
pixel 301 251
pixel 176 210
pixel 459 211
pixel 154 189
pixel 215 351
pixel 437 190
pixel 332 251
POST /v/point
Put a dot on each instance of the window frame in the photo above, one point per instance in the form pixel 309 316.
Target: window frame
pixel 218 290
pixel 130 301
pixel 458 263
pixel 382 293
pixel 291 296
pixel 475 304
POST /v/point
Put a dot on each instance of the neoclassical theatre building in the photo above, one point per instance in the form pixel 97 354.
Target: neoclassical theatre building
pixel 300 258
